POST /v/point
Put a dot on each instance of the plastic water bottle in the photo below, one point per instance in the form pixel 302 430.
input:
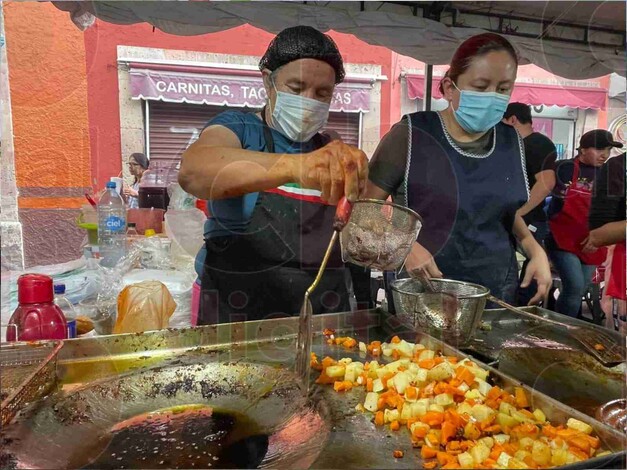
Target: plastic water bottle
pixel 67 308
pixel 111 227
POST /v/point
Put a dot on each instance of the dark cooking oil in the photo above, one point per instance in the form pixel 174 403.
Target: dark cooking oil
pixel 190 436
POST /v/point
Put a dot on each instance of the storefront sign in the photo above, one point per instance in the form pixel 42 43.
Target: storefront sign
pixel 229 91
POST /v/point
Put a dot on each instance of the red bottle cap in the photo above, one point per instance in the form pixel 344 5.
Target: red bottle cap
pixel 34 289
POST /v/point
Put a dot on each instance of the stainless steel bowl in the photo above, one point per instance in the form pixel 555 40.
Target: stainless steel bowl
pixel 451 314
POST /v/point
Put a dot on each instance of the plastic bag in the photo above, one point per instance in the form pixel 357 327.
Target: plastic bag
pixel 185 229
pixel 144 306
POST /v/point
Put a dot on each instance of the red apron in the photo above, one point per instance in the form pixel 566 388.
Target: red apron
pixel 570 226
pixel 616 285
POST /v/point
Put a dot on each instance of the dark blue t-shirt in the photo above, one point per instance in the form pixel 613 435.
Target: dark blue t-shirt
pixel 233 215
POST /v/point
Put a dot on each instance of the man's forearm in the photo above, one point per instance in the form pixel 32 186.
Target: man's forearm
pixel 609 234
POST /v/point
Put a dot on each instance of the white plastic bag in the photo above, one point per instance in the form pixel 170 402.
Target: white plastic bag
pixel 185 229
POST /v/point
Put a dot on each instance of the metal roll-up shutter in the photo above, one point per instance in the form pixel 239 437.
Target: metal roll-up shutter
pixel 345 124
pixel 173 126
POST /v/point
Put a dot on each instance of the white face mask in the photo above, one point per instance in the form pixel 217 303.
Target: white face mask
pixel 298 118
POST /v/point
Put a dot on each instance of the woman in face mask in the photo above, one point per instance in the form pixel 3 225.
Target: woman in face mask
pixel 272 181
pixel 463 171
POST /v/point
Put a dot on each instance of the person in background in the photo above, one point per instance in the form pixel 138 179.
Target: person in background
pixel 568 213
pixel 137 164
pixel 463 171
pixel 607 228
pixel 540 156
pixel 273 180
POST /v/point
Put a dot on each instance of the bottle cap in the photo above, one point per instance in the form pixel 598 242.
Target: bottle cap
pixel 34 288
pixel 150 233
pixel 110 185
pixel 59 288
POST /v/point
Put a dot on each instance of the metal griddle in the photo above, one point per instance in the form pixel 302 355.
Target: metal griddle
pixel 352 441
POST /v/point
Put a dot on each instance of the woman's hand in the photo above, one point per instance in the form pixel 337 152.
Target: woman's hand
pixel 129 192
pixel 336 170
pixel 419 259
pixel 540 270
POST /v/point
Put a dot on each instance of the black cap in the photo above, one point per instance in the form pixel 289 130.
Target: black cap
pixel 302 42
pixel 598 139
pixel 522 112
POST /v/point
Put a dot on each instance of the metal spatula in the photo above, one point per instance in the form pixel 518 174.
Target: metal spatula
pixel 303 345
pixel 600 345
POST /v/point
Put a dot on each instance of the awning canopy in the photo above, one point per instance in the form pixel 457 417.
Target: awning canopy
pixel 237 88
pixel 530 93
pixel 575 40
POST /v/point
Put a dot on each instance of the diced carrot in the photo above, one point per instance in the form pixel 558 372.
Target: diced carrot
pixel 369 384
pixel 530 462
pixel 492 403
pixel 349 343
pixel 444 458
pixel 496 451
pixel 448 431
pixel 567 433
pixel 411 393
pixel 342 385
pixel 328 332
pixel 430 465
pixel 452 359
pixel 379 418
pixel 508 398
pixel 486 423
pixel 595 443
pixel 440 387
pixel 395 340
pixel 451 464
pixel 455 382
pixel 579 453
pixel 528 414
pixel 549 431
pixel 426 364
pixel 510 447
pixel 494 393
pixel 395 425
pixel 438 360
pixel 471 402
pixel 452 446
pixel 521 398
pixel 395 354
pixel 494 429
pixel 465 445
pixel 433 418
pixel 489 463
pixel 328 361
pixel 580 443
pixel 419 432
pixel 464 374
pixel 457 419
pixel 398 454
pixel 428 453
pixel 380 403
pixel 324 379
pixel 386 377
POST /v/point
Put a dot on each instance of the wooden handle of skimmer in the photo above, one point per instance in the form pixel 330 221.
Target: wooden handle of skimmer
pixel 342 214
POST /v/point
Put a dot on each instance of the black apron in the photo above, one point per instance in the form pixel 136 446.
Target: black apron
pixel 264 272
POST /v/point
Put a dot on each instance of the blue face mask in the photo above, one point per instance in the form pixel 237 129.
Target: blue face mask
pixel 479 111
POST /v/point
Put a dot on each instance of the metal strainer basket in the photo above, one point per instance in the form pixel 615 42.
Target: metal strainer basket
pixel 451 314
pixel 27 374
pixel 379 234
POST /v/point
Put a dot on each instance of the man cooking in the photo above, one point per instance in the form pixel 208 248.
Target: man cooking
pixel 272 181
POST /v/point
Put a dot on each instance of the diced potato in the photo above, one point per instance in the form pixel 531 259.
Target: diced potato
pixel 406 412
pixel 521 454
pixel 401 381
pixel 541 453
pixel 501 438
pixel 487 441
pixel 419 409
pixel 503 460
pixel 481 412
pixel 381 371
pixel 520 417
pixel 465 460
pixel 479 453
pixel 405 348
pixel 559 457
pixel 362 347
pixel 516 463
pixel 464 408
pixel 377 385
pixel 360 408
pixel 370 403
pixel 353 370
pixel 373 365
pixel 350 375
pixel 474 395
pixel 573 423
pixel 418 347
pixel 426 354
pixel 421 377
pixel 504 420
pixel 438 408
pixel 555 446
pixel 479 373
pixel 336 371
pixel 425 401
pixel 391 415
pixel 345 361
pixel 360 380
pixel 433 438
pixel 484 387
pixel 472 431
pixel 387 352
pixel 506 408
pixel 419 425
pixel 442 371
pixel 526 443
pixel 539 414
pixel 444 399
pixel 393 366
pixel 464 387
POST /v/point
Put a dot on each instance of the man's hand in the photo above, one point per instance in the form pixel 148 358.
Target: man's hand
pixel 336 170
pixel 420 260
pixel 538 269
pixel 590 244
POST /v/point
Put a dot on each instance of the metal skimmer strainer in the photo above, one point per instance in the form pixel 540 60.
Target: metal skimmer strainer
pixel 379 234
